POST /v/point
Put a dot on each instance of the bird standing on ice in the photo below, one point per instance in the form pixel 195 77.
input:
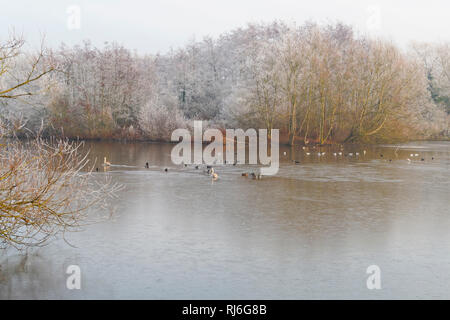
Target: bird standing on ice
pixel 106 163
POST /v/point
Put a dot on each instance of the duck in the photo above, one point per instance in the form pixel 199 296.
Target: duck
pixel 256 176
pixel 106 163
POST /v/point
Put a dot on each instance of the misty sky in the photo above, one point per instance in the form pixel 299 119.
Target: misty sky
pixel 156 26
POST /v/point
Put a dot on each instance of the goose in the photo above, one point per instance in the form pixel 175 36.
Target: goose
pixel 106 163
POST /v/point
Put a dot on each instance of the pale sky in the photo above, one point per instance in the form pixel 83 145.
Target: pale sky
pixel 157 25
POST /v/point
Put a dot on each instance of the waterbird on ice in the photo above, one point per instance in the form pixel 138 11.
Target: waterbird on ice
pixel 106 163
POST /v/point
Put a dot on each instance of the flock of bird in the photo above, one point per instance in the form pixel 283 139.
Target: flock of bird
pixel 351 154
pixel 209 170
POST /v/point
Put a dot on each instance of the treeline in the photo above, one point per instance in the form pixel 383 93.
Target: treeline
pixel 316 83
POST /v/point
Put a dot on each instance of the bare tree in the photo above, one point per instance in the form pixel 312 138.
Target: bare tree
pixel 46 186
pixel 16 82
